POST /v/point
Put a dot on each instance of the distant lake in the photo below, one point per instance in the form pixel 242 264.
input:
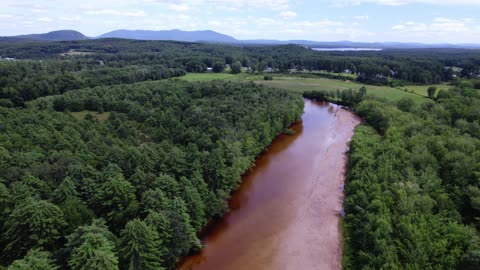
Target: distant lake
pixel 346 49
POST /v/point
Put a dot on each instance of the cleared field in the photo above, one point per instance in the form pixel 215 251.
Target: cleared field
pixel 422 89
pixel 200 77
pixel 102 117
pixel 75 52
pixel 299 84
pixel 302 84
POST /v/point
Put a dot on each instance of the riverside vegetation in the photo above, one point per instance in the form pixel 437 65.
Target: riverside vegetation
pixel 413 187
pixel 133 190
pixel 103 167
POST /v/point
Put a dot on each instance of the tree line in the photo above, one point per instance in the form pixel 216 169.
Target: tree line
pixel 116 61
pixel 412 195
pixel 129 190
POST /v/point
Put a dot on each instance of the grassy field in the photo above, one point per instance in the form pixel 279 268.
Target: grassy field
pixel 102 117
pixel 302 84
pixel 201 77
pixel 299 84
pixel 422 89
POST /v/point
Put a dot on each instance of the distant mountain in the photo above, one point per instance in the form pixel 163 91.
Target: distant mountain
pixel 61 35
pixel 351 44
pixel 177 35
pixel 209 36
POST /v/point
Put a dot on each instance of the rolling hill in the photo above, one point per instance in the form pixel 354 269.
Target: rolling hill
pixel 177 35
pixel 61 35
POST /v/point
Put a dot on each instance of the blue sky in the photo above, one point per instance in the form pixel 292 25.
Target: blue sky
pixel 427 21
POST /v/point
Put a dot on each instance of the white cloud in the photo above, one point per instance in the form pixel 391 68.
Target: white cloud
pixel 264 21
pixel 288 14
pixel 44 19
pixel 452 30
pixel 6 16
pixel 342 3
pixel 229 4
pixel 112 12
pixel 214 23
pixel 71 19
pixel 438 25
pixel 361 17
pixel 179 7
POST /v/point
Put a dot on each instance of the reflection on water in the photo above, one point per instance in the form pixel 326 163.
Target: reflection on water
pixel 273 213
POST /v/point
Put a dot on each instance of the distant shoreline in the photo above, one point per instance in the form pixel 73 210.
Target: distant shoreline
pixel 347 49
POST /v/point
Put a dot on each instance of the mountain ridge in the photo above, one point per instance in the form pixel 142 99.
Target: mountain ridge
pixel 210 36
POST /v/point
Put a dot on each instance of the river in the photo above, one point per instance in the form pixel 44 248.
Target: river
pixel 286 213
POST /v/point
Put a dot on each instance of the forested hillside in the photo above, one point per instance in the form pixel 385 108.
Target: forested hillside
pixel 130 183
pixel 48 68
pixel 413 186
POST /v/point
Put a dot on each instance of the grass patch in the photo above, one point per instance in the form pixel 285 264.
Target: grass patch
pixel 299 84
pixel 75 52
pixel 422 89
pixel 308 84
pixel 101 117
pixel 201 77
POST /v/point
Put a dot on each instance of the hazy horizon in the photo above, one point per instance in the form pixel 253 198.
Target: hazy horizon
pixel 422 21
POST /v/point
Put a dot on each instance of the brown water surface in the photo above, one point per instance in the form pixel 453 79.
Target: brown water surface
pixel 285 215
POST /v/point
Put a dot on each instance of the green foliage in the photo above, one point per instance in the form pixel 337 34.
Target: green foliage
pixel 431 91
pixel 92 247
pixel 115 200
pixel 65 191
pixel 236 68
pixel 406 104
pixel 32 223
pixel 140 246
pixel 183 238
pixel 346 97
pixel 36 259
pixel 169 154
pixel 218 67
pixel 412 191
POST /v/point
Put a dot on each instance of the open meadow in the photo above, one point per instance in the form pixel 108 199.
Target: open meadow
pixel 300 84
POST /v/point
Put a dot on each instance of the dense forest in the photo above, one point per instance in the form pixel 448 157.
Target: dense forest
pixel 47 68
pixel 129 184
pixel 103 166
pixel 412 195
pixel 413 186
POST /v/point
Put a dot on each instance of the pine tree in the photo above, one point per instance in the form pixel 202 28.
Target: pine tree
pixel 140 246
pixel 115 200
pixel 154 200
pixel 92 247
pixel 65 191
pixel 36 259
pixel 33 223
pixel 95 253
pixel 184 238
pixel 194 203
pixel 159 222
pixel 76 214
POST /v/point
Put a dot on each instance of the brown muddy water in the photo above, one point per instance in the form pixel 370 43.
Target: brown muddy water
pixel 286 213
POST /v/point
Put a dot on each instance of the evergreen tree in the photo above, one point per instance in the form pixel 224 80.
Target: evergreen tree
pixel 95 253
pixel 115 200
pixel 154 200
pixel 36 259
pixel 65 191
pixel 92 247
pixel 140 246
pixel 183 234
pixel 33 223
pixel 159 222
